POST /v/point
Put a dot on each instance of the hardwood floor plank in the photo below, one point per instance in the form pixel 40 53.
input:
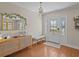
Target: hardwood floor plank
pixel 42 50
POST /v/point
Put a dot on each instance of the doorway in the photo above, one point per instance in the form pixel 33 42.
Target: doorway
pixel 56 30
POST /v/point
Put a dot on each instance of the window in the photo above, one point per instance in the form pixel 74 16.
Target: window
pixel 54 26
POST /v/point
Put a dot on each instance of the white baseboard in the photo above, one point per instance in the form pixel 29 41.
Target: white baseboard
pixel 72 46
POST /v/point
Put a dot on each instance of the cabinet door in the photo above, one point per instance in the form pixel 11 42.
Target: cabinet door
pixel 21 44
pixel 27 41
pixel 8 47
pixel 1 49
pixel 11 44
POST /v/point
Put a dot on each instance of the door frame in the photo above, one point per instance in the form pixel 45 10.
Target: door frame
pixel 66 29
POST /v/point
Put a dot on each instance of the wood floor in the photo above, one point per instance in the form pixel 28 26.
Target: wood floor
pixel 46 51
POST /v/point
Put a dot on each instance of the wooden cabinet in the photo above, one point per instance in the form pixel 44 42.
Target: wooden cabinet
pixel 14 44
pixel 1 49
pixel 7 46
pixel 21 40
pixel 25 41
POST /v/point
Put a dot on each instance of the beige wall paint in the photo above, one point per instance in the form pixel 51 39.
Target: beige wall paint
pixel 34 26
pixel 72 33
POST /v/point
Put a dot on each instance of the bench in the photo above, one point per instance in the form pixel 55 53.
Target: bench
pixel 36 39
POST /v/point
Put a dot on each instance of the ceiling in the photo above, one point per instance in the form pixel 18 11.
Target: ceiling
pixel 47 6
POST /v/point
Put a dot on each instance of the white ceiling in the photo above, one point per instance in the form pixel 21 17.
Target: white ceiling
pixel 47 6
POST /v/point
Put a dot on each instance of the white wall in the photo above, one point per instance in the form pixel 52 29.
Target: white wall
pixel 72 33
pixel 34 25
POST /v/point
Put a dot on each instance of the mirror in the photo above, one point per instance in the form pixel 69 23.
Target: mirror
pixel 10 22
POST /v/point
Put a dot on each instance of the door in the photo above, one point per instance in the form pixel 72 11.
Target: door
pixel 56 29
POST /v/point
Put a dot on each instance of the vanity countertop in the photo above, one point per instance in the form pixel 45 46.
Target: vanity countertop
pixel 2 40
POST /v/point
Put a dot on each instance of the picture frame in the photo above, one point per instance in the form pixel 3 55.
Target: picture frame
pixel 76 20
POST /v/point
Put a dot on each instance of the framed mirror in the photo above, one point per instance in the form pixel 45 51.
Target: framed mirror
pixel 10 22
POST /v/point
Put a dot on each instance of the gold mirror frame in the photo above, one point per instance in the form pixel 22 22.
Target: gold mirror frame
pixel 5 17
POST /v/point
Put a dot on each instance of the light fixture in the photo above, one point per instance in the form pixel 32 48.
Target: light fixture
pixel 40 11
pixel 40 8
